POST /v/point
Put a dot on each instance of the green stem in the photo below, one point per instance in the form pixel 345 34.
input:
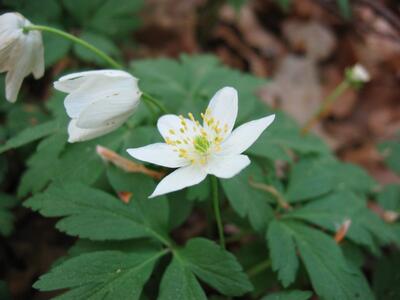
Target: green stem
pixel 77 40
pixel 257 269
pixel 217 212
pixel 326 105
pixel 149 99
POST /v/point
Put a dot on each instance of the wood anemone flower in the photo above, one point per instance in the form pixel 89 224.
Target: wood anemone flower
pixel 200 149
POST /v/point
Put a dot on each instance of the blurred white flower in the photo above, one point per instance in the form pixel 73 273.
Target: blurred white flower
pixel 21 53
pixel 197 150
pixel 98 101
pixel 359 74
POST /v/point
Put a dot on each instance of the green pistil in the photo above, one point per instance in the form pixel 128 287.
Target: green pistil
pixel 201 144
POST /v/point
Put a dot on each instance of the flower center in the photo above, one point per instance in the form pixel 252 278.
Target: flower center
pixel 195 142
pixel 201 144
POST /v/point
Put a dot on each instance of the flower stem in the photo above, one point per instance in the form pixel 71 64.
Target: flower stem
pixel 326 105
pixel 77 40
pixel 257 269
pixel 151 100
pixel 217 212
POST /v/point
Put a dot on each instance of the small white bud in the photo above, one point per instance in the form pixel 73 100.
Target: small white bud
pixel 360 73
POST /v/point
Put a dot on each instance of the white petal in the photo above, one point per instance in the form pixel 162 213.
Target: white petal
pixel 38 55
pixel 20 59
pixel 160 154
pixel 224 108
pixel 106 110
pixel 179 179
pixel 227 166
pixel 245 135
pixel 77 134
pixel 170 125
pixel 71 82
pixel 100 87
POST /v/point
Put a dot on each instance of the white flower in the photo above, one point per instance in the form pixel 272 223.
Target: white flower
pixel 21 53
pixel 98 101
pixel 359 74
pixel 197 150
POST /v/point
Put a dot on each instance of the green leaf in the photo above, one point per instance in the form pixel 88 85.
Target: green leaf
pixel 284 135
pixel 391 152
pixel 331 276
pixel 31 134
pixel 167 80
pixel 386 278
pixel 91 213
pixel 101 42
pixel 345 8
pixel 179 283
pixel 41 164
pixel 111 17
pixel 283 252
pixel 215 266
pixel 330 212
pixel 154 211
pixel 313 177
pixel 6 216
pixel 252 203
pixel 289 295
pixel 33 10
pixel 102 275
pixel 389 197
pixel 310 178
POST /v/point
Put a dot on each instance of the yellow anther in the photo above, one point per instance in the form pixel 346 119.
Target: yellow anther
pixel 226 128
pixel 182 130
pixel 191 117
pixel 202 116
pixel 171 131
pixel 197 124
pixel 178 142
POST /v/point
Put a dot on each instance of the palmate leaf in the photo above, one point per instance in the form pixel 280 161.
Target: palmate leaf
pixel 330 211
pixel 315 176
pixel 179 283
pixel 94 214
pixel 253 203
pixel 331 276
pixel 168 81
pixel 283 252
pixel 57 161
pixel 31 134
pixel 102 275
pixel 111 17
pixel 211 264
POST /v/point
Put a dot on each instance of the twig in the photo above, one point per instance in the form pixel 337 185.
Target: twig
pixel 273 191
pixel 126 164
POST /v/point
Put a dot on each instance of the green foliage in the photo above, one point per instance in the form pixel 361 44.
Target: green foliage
pixel 102 275
pixel 252 204
pixel 391 152
pixel 386 278
pixel 215 266
pixel 283 252
pixel 6 217
pixel 330 274
pixel 289 295
pixel 313 177
pixel 93 214
pixel 345 8
pixel 331 211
